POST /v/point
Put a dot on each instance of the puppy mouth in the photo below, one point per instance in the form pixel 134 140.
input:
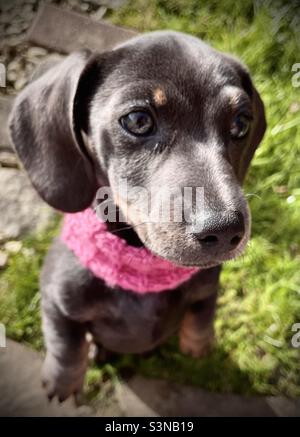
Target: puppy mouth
pixel 196 261
pixel 126 232
pixel 199 264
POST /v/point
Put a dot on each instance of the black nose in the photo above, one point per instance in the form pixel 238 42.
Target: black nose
pixel 222 230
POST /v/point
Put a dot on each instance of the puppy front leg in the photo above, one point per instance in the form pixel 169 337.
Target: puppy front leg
pixel 196 336
pixel 67 354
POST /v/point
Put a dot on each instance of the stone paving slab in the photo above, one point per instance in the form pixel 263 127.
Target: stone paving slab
pixel 168 399
pixel 174 400
pixel 22 210
pixel 20 387
pixel 75 32
pixel 5 107
pixel 22 395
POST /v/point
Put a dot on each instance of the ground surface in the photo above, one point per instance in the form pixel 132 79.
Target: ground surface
pixel 22 395
pixel 260 297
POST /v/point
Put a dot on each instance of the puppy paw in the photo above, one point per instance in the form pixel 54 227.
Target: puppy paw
pixel 62 381
pixel 196 344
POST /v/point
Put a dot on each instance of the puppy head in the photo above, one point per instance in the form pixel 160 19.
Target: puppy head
pixel 163 112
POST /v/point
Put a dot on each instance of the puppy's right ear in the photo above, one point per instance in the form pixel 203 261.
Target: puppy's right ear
pixel 47 138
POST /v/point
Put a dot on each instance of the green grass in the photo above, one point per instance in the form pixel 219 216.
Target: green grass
pixel 19 289
pixel 260 297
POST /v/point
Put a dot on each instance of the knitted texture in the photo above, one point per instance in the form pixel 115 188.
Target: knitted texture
pixel 110 258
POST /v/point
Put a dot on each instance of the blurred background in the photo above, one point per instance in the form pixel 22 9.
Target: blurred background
pixel 259 305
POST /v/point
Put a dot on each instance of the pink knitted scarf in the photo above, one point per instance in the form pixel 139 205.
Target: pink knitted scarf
pixel 110 258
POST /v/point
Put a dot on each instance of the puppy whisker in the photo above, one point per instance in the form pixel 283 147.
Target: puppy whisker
pixel 128 227
pixel 253 195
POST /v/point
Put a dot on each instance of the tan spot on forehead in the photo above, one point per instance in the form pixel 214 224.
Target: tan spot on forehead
pixel 236 98
pixel 160 97
pixel 235 101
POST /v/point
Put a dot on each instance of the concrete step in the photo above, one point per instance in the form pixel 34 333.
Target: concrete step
pixel 22 395
pixel 23 212
pixel 5 107
pixel 20 386
pixel 65 31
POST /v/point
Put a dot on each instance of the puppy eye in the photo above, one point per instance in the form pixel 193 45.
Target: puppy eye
pixel 138 123
pixel 240 126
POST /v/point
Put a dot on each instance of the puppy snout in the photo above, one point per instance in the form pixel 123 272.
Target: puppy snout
pixel 221 231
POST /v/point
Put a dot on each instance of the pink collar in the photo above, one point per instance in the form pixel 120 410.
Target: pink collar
pixel 110 258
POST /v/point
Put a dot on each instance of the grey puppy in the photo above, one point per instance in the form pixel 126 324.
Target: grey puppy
pixel 162 109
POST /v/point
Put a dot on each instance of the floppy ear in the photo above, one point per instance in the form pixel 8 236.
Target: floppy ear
pixel 256 135
pixel 44 127
pixel 259 123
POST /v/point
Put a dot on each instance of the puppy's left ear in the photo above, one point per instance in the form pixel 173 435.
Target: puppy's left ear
pixel 259 123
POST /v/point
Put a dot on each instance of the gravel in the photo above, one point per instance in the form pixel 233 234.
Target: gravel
pixel 16 16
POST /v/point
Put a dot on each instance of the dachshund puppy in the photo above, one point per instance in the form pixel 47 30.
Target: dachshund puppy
pixel 161 111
